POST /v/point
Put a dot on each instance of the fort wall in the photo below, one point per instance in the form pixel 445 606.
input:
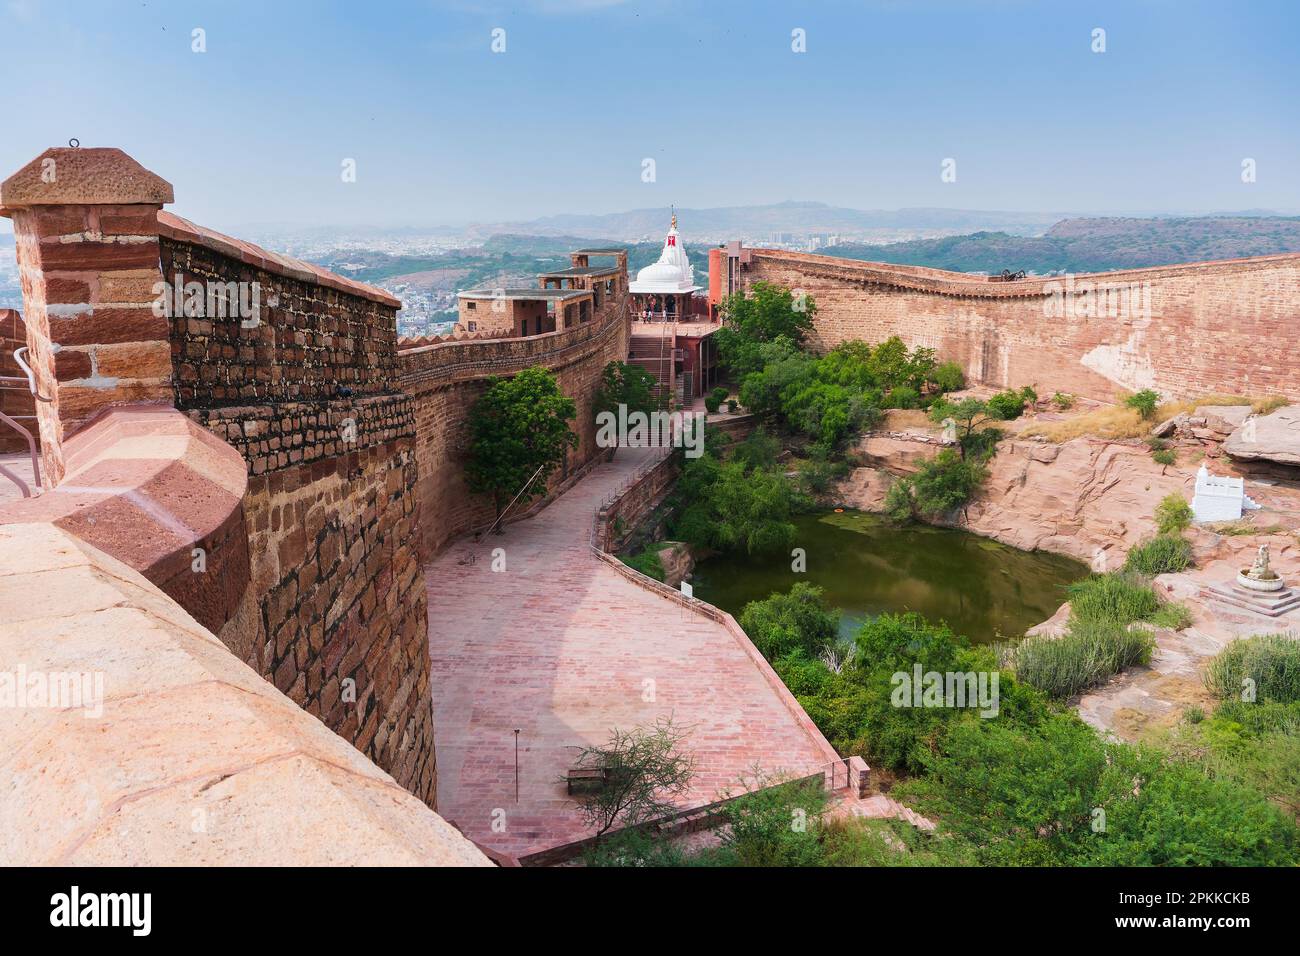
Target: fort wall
pixel 1184 330
pixel 444 380
pixel 303 386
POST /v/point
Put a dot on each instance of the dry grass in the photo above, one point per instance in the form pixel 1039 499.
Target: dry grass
pixel 907 419
pixel 1109 421
pixel 1119 422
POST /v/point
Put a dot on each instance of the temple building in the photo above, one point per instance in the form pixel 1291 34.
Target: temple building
pixel 665 289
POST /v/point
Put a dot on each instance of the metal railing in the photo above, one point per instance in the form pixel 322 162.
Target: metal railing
pixel 25 382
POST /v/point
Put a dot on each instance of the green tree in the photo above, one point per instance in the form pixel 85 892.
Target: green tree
pixel 518 426
pixel 629 385
pixel 797 620
pixel 764 314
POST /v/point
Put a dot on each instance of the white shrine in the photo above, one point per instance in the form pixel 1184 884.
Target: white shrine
pixel 1219 498
pixel 664 289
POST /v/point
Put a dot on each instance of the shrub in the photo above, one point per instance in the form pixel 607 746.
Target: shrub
pixel 1010 404
pixel 900 507
pixel 1173 514
pixel 1270 661
pixel 948 377
pixel 945 483
pixel 759 831
pixel 1112 599
pixel 1172 616
pixel 797 620
pixel 1163 554
pixel 727 507
pixel 720 393
pixel 1144 402
pixel 711 404
pixel 1086 655
pixel 647 562
pixel 1165 457
pixel 902 397
pixel 1063 400
pixel 819 472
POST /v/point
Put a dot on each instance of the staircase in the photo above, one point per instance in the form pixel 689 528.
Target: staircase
pixel 651 348
pixel 880 807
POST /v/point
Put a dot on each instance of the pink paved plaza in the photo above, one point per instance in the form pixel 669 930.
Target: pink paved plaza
pixel 563 647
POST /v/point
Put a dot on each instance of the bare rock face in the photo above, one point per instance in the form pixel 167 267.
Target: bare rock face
pixel 677 561
pixel 1087 498
pixel 899 455
pixel 1274 437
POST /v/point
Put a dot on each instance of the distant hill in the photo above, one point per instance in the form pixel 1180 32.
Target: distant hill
pixel 1093 245
pixel 799 218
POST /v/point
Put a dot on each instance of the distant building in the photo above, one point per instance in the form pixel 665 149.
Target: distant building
pixel 562 300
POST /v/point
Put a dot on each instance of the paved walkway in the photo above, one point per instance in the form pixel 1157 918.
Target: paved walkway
pixel 563 647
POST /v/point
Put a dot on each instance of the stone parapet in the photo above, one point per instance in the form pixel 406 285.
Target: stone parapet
pixel 160 748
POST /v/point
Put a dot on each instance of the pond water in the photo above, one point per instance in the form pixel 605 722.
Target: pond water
pixel 866 566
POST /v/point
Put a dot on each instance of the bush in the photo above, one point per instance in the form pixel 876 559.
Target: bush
pixel 1163 554
pixel 1173 514
pixel 900 507
pixel 1027 795
pixel 1063 400
pixel 1172 617
pixel 797 620
pixel 819 472
pixel 759 831
pixel 1144 402
pixel 1165 456
pixel 945 483
pixel 711 404
pixel 1010 404
pixel 948 377
pixel 1086 655
pixel 720 393
pixel 1112 599
pixel 1270 661
pixel 647 562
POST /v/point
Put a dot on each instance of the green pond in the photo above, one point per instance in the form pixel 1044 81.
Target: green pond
pixel 866 567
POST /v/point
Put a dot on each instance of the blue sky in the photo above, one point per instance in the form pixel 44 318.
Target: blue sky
pixel 443 130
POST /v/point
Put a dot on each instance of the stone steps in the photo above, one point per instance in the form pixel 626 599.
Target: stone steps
pixel 1267 603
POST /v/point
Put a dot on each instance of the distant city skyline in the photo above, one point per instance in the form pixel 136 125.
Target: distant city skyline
pixel 444 131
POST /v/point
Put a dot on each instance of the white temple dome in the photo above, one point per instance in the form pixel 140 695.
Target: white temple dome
pixel 672 273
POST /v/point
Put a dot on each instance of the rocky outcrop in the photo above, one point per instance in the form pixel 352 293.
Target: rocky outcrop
pixel 1274 437
pixel 1087 498
pixel 677 561
pixel 1211 423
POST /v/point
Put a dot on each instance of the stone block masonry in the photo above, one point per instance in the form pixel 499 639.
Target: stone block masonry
pixel 1224 327
pixel 301 385
pixel 86 233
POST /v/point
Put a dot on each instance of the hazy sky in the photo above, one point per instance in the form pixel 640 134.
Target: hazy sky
pixel 443 130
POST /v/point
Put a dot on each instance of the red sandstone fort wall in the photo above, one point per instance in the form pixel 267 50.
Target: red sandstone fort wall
pixel 1216 327
pixel 444 381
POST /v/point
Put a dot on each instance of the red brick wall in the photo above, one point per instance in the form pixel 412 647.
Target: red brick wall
pixel 1226 327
